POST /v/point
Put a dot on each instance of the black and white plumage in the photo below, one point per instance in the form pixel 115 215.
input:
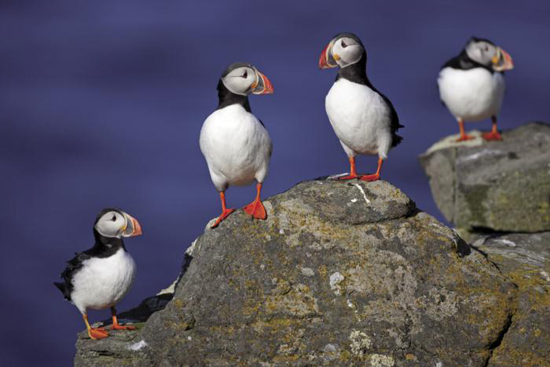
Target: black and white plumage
pixel 363 119
pixel 471 84
pixel 235 143
pixel 100 277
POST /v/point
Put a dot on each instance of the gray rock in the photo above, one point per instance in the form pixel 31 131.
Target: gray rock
pixel 500 186
pixel 340 274
pixel 524 259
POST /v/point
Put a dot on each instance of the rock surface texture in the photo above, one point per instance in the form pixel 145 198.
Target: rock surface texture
pixel 340 274
pixel 499 194
pixel 524 258
pixel 493 186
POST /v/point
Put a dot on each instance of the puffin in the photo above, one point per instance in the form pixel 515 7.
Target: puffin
pixel 363 119
pixel 471 85
pixel 234 142
pixel 100 277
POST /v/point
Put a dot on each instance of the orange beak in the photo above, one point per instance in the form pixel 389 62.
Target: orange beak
pixel 263 85
pixel 134 228
pixel 503 61
pixel 326 60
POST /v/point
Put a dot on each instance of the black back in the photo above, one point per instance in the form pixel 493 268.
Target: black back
pixel 103 247
pixel 463 62
pixel 357 73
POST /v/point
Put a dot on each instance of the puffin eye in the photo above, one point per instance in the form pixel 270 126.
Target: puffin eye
pixel 245 75
pixel 343 44
pixel 113 218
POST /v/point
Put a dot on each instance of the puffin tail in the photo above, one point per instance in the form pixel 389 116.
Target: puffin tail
pixel 396 139
pixel 62 288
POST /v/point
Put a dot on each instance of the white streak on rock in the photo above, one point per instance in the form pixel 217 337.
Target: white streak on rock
pixel 483 153
pixel 137 346
pixel 362 192
pixel 506 242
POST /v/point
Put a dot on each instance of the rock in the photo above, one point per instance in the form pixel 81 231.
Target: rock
pixel 495 186
pixel 525 259
pixel 340 274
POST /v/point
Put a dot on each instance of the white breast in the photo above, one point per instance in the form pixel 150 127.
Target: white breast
pixel 236 146
pixel 471 95
pixel 360 118
pixel 103 282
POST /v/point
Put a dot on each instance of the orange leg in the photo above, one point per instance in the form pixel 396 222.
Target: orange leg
pixel 463 136
pixel 97 333
pixel 256 209
pixel 352 171
pixel 225 211
pixel 116 325
pixel 375 176
pixel 494 134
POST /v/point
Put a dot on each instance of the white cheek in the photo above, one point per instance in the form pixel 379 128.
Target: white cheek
pixel 238 85
pixel 479 55
pixel 350 55
pixel 108 228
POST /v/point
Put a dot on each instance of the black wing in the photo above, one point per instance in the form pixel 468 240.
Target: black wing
pixel 394 122
pixel 271 145
pixel 394 119
pixel 73 266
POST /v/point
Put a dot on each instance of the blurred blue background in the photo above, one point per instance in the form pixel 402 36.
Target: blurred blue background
pixel 101 104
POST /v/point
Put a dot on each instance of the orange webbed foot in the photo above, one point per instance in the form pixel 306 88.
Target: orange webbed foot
pixel 224 215
pixel 98 333
pixel 256 209
pixel 465 138
pixel 370 178
pixel 348 177
pixel 493 135
pixel 122 327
